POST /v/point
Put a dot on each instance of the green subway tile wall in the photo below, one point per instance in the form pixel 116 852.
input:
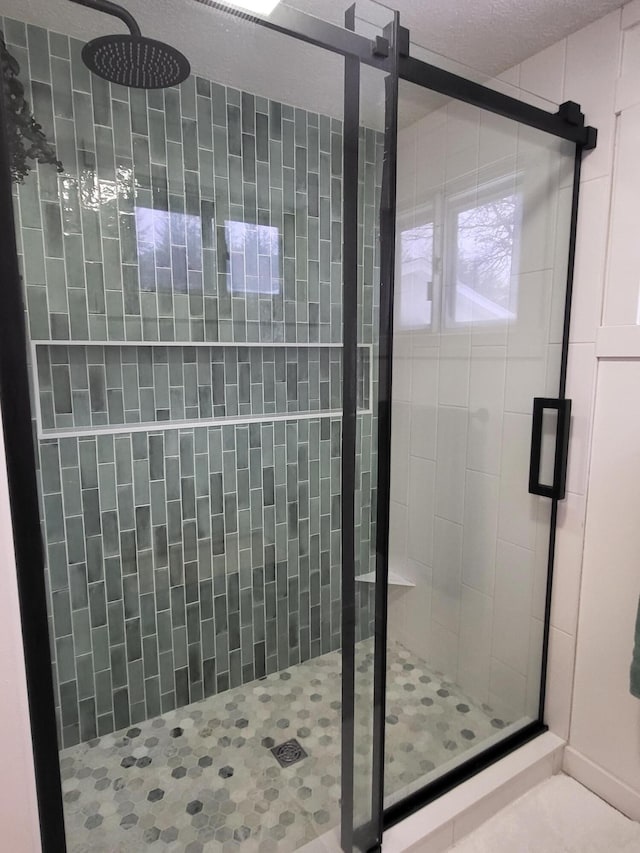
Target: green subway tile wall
pixel 185 561
pixel 96 386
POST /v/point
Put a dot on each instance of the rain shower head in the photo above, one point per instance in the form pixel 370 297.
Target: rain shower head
pixel 131 59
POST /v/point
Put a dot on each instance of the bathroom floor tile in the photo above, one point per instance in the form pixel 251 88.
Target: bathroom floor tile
pixel 558 816
pixel 204 776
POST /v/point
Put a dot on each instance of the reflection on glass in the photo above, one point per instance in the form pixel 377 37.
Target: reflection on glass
pixel 484 259
pixel 416 275
pixel 163 241
pixel 477 232
pixel 254 258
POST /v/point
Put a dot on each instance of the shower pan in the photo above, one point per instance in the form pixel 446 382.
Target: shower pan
pixel 282 365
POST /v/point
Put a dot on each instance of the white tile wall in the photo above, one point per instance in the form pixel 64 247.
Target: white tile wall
pixel 536 637
pixel 398 536
pixel 568 562
pixel 410 609
pixel 474 661
pixel 424 396
pixel 497 140
pixel 480 530
pixel 422 481
pixel 447 574
pixel 512 605
pixel 486 408
pixel 591 251
pixel 450 466
pixel 455 366
pixel 543 73
pixel 560 680
pixel 581 380
pixel 507 690
pixel 621 302
pixel 401 426
pixel 444 648
pixel 518 509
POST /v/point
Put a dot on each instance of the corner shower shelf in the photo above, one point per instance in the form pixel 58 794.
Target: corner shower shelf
pixel 394 579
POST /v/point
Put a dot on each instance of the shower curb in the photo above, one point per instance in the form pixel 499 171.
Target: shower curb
pixel 435 828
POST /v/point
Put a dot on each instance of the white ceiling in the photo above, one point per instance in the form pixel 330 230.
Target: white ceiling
pixel 488 35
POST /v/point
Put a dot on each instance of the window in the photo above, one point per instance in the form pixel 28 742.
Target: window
pixel 482 251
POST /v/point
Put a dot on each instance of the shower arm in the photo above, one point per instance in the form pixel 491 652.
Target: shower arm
pixel 112 9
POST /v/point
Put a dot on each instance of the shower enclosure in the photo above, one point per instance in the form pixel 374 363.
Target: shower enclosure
pixel 289 352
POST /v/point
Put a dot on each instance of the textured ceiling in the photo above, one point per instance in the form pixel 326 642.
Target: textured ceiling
pixel 488 35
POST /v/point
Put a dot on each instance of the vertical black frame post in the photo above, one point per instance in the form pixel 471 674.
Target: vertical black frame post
pixel 385 383
pixel 350 164
pixel 564 361
pixel 25 519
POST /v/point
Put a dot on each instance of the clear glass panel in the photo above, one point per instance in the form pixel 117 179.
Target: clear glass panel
pixel 504 83
pixel 183 287
pixel 482 244
pixel 370 185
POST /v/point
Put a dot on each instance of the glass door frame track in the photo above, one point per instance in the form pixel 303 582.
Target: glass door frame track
pixel 391 55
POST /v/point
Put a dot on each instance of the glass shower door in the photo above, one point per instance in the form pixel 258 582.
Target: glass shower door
pixel 484 212
pixel 183 285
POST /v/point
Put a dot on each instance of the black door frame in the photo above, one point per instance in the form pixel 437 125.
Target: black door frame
pixel 389 54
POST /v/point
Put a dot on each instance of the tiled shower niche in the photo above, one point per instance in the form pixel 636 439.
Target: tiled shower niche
pixel 89 386
pixel 190 253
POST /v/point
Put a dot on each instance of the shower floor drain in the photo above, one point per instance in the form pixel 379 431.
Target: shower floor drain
pixel 289 753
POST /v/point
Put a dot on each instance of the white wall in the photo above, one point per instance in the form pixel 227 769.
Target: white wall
pixel 604 740
pixel 604 748
pixel 18 809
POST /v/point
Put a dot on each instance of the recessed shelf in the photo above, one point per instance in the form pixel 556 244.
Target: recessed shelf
pixel 394 579
pixel 164 426
pixel 66 408
pixel 187 344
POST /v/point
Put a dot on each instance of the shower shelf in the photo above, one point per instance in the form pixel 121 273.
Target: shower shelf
pixel 394 579
pixel 164 426
pixel 42 342
pixel 79 431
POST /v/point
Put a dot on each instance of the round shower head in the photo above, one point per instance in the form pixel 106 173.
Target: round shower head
pixel 136 62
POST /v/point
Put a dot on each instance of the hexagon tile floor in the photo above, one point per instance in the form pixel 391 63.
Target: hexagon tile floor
pixel 203 778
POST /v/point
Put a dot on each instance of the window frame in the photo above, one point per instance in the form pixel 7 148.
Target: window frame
pixel 465 198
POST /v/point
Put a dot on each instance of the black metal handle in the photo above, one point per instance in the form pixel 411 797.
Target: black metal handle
pixel 110 8
pixel 556 491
